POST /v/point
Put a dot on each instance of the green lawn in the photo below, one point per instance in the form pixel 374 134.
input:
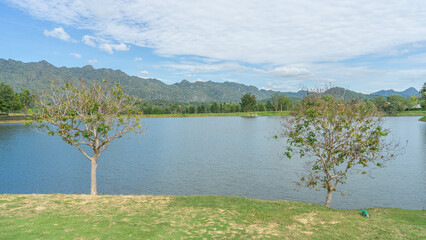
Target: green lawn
pixel 199 217
pixel 412 113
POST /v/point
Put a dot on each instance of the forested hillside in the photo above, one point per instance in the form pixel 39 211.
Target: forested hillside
pixel 37 76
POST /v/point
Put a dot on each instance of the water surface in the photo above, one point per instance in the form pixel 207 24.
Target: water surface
pixel 232 156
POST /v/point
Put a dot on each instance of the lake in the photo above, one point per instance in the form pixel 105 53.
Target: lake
pixel 232 156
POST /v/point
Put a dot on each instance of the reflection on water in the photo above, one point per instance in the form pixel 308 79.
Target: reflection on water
pixel 206 156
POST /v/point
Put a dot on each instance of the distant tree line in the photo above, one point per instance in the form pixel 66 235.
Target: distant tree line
pixel 393 104
pixel 248 104
pixel 11 101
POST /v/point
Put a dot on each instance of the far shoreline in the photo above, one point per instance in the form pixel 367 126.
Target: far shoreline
pixel 421 113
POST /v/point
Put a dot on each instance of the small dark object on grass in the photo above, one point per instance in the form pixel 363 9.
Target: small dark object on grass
pixel 364 213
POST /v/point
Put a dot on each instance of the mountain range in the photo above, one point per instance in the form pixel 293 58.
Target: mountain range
pixel 407 93
pixel 38 76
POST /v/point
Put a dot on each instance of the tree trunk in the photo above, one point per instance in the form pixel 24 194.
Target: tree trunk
pixel 328 199
pixel 281 107
pixel 93 188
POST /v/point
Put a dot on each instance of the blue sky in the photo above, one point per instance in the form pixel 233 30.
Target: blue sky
pixel 281 45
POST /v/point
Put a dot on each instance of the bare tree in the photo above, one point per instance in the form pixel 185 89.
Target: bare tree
pixel 338 136
pixel 89 117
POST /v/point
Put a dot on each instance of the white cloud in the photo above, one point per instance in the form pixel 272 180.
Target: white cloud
pixel 193 67
pixel 58 33
pixel 89 40
pixel 104 44
pixel 75 55
pixel 276 31
pixel 144 72
pixel 287 86
pixel 93 61
pixel 110 48
pixel 284 71
pixel 137 59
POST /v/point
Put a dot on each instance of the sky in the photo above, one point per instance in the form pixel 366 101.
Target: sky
pixel 282 45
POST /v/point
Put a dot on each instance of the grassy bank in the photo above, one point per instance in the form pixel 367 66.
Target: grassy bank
pixel 423 119
pixel 412 113
pixel 241 114
pixel 209 217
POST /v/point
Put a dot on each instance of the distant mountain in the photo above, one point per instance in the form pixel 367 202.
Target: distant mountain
pixel 346 94
pixel 38 76
pixel 407 93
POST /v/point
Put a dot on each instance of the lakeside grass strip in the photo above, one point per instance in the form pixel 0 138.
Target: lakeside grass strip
pixel 55 216
pixel 241 114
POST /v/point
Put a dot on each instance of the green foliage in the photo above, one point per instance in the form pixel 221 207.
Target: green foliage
pixel 279 102
pixel 9 100
pixel 339 136
pixel 248 103
pixel 13 102
pixel 423 96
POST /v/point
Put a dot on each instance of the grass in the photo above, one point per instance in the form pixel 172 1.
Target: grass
pixel 242 114
pixel 199 217
pixel 423 119
pixel 412 113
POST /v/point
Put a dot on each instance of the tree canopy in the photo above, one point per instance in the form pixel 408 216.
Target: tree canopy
pixel 13 102
pixel 337 136
pixel 87 116
pixel 248 102
pixel 423 96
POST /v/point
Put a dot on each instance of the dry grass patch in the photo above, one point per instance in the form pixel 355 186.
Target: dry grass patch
pixel 199 217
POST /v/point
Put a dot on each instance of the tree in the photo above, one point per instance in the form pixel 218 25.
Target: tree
pixel 269 106
pixel 9 100
pixel 26 98
pixel 338 136
pixel 89 117
pixel 261 107
pixel 380 103
pixel 275 99
pixel 284 102
pixel 214 108
pixel 396 103
pixel 201 109
pixel 423 96
pixel 248 102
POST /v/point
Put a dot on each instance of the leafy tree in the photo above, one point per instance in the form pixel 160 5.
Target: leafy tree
pixel 269 106
pixel 89 117
pixel 9 100
pixel 396 103
pixel 338 136
pixel 235 108
pixel 380 103
pixel 248 102
pixel 191 109
pixel 284 102
pixel 201 109
pixel 26 98
pixel 214 108
pixel 423 96
pixel 275 99
pixel 261 107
